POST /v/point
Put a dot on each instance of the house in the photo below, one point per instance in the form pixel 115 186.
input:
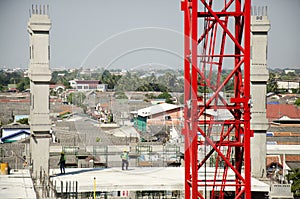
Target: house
pixel 158 115
pixel 289 71
pixel 277 111
pixel 288 85
pixel 12 88
pixel 283 134
pixel 85 85
pixel 57 87
pixel 14 132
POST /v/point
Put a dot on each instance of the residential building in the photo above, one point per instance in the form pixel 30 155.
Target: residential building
pixel 288 85
pixel 289 71
pixel 85 85
pixel 283 138
pixel 14 132
pixel 158 115
pixel 286 111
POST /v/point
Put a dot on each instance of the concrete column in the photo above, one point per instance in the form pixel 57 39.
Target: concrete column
pixel 260 26
pixel 39 73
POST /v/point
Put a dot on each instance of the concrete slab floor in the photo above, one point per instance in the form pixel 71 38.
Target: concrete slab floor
pixel 135 179
pixel 17 184
pixel 114 179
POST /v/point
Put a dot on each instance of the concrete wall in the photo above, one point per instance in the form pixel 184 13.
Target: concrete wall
pixel 9 109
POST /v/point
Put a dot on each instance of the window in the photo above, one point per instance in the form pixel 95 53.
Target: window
pixel 168 117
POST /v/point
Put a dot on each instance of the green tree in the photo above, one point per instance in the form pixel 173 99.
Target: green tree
pixel 272 85
pixel 23 121
pixel 297 102
pixel 150 96
pixel 76 98
pixel 294 176
pixel 167 96
pixel 109 79
pixel 164 95
pixel 23 84
pixel 120 95
pixel 2 88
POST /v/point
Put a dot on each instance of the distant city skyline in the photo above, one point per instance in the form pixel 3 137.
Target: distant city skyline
pixel 128 34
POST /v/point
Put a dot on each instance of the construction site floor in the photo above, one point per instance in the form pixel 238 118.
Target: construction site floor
pixel 113 179
pixel 18 184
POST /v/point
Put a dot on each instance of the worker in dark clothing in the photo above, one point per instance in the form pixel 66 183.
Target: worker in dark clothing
pixel 62 163
pixel 25 163
pixel 124 157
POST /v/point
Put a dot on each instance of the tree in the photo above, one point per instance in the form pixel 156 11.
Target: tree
pixel 24 84
pixel 297 102
pixel 76 98
pixel 164 95
pixel 294 176
pixel 272 85
pixel 120 95
pixel 1 88
pixel 23 121
pixel 109 79
pixel 167 96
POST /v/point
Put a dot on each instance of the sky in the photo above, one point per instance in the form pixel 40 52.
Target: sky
pixel 128 33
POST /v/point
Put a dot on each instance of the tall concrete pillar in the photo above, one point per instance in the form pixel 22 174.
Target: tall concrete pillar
pixel 260 26
pixel 39 73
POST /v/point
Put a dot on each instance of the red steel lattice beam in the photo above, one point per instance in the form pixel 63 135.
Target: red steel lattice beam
pixel 217 56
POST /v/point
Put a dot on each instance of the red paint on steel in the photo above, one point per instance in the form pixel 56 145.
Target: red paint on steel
pixel 217 54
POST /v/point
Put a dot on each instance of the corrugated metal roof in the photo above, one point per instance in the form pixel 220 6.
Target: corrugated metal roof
pixel 125 131
pixel 159 108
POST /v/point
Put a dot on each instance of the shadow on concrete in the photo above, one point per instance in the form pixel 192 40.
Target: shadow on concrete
pixel 78 171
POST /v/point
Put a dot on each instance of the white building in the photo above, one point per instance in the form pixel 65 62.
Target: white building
pixel 289 71
pixel 288 85
pixel 85 85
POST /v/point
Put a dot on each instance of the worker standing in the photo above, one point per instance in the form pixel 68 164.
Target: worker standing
pixel 62 163
pixel 124 157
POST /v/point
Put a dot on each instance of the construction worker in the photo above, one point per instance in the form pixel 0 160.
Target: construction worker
pixel 25 163
pixel 124 157
pixel 62 162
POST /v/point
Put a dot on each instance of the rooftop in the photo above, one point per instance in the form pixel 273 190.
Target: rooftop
pixel 17 185
pixel 277 111
pixel 159 108
pixel 137 179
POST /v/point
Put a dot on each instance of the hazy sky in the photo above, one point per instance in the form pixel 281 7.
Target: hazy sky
pixel 131 33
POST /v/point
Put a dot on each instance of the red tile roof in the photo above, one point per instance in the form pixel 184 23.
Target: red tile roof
pixel 292 158
pixel 276 111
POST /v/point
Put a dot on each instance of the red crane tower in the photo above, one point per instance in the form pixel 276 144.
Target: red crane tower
pixel 216 129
